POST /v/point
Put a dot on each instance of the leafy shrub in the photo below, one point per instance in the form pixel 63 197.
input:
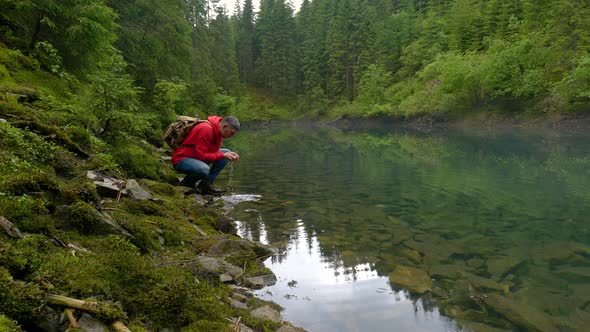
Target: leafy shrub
pixel 516 69
pixel 576 84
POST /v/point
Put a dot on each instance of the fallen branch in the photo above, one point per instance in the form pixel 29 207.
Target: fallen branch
pixel 10 229
pixel 70 314
pixel 120 327
pixel 105 311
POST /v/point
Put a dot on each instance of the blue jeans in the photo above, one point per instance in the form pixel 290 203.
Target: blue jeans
pixel 196 170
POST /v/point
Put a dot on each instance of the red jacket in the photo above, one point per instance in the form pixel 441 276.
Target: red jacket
pixel 203 142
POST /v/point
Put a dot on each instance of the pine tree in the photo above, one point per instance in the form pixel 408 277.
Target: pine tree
pixel 245 44
pixel 225 70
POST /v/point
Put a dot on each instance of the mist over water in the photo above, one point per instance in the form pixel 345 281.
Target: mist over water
pixel 345 208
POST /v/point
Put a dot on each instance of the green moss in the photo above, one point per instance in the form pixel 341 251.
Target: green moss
pixel 159 187
pixel 25 256
pixel 84 218
pixel 144 207
pixel 80 189
pixel 79 135
pixel 8 325
pixel 19 300
pixel 29 214
pixel 138 163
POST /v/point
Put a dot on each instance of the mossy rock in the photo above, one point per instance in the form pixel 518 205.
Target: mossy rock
pixel 33 182
pixel 138 163
pixel 414 279
pixel 520 314
pixel 25 256
pixel 19 300
pixel 28 213
pixel 84 218
pixel 80 189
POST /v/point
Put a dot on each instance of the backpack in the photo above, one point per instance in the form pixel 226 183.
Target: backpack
pixel 179 129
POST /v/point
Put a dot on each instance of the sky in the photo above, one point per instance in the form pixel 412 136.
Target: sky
pixel 230 4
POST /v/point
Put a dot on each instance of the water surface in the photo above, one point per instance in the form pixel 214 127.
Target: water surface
pixel 346 208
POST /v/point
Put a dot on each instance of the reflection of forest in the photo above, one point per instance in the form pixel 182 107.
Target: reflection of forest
pixel 509 208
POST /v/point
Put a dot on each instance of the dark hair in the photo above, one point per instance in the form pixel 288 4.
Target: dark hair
pixel 233 122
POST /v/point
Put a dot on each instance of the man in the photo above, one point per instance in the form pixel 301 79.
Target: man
pixel 201 147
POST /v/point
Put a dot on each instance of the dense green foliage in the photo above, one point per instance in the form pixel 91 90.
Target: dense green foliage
pixel 392 58
pixel 406 58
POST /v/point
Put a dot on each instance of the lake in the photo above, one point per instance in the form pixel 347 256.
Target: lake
pixel 498 220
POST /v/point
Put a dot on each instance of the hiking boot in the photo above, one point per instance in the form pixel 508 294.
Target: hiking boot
pixel 206 188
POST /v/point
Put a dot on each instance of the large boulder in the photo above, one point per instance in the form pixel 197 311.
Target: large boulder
pixel 416 280
pixel 259 282
pixel 218 266
pixel 267 312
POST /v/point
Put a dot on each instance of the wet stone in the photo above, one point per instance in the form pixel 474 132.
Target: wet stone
pixel 348 258
pixel 559 252
pixel 575 274
pixel 412 255
pixel 446 271
pixel 484 283
pixel 414 279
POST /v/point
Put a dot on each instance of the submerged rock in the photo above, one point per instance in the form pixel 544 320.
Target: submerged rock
pixel 559 252
pixel 520 314
pixel 449 271
pixel 412 255
pixel 484 283
pixel 500 266
pixel 414 279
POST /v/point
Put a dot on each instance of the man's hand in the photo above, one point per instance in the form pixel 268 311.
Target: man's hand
pixel 231 156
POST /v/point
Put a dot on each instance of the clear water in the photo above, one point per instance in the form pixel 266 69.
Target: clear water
pixel 344 208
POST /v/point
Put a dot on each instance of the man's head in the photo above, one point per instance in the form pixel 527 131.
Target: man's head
pixel 229 126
